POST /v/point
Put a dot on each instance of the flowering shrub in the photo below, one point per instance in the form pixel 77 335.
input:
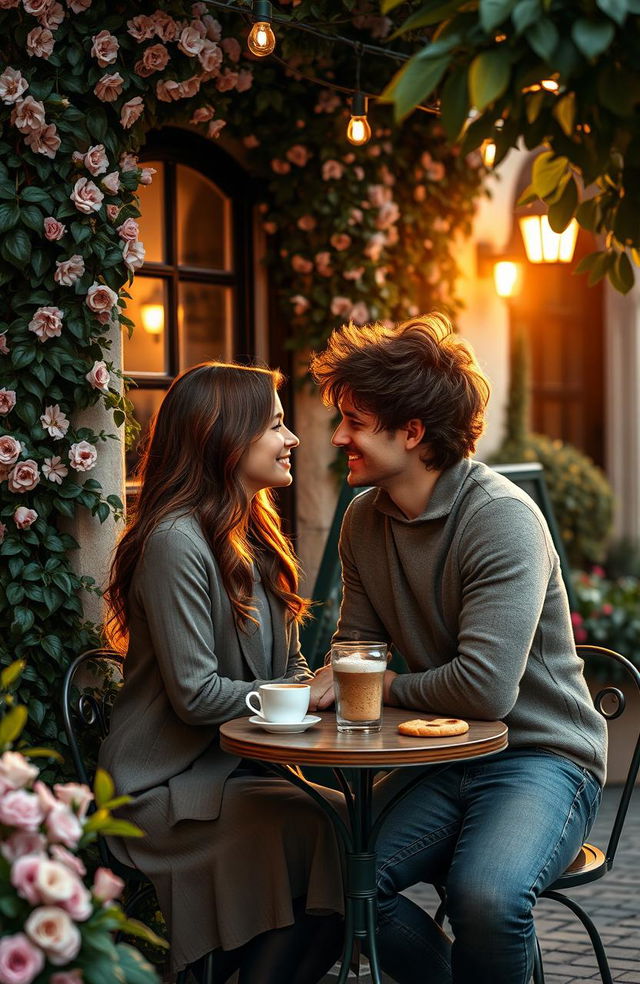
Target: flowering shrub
pixel 54 928
pixel 608 612
pixel 354 233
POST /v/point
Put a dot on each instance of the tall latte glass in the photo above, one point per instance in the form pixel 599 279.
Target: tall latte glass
pixel 358 675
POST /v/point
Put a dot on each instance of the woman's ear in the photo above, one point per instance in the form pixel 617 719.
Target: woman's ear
pixel 415 431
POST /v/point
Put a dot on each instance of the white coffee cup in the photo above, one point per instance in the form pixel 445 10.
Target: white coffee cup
pixel 280 703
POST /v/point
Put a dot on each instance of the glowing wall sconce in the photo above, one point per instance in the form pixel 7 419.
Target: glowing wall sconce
pixel 152 317
pixel 542 244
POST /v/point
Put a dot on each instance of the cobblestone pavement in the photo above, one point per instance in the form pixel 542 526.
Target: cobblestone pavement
pixel 613 903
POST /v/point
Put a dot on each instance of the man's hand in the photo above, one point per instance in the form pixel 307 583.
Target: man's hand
pixel 322 695
pixel 387 696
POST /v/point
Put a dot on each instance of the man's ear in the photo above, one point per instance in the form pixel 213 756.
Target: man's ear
pixel 415 431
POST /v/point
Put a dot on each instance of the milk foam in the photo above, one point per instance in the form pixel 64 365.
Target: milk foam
pixel 351 664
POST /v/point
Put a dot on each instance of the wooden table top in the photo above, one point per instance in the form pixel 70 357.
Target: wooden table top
pixel 321 744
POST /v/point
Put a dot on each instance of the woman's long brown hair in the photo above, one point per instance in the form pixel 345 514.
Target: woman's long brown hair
pixel 209 417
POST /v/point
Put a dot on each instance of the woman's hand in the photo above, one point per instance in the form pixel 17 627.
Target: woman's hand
pixel 322 695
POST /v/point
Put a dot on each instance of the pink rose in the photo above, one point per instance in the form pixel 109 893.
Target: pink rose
pixel 53 16
pixel 101 300
pixel 72 861
pixel 76 794
pixel 141 28
pixel 227 81
pixel 280 167
pixel 359 313
pixel 306 223
pixel 340 306
pixel 109 87
pixel 245 80
pixel 374 247
pixel 54 470
pixel 355 274
pixel 82 457
pixel 12 86
pixel 96 160
pixel 212 27
pixel 300 264
pixel 4 348
pixel 300 304
pixel 190 87
pixel 146 175
pixel 50 928
pixel 203 114
pixel 378 195
pixel 62 825
pixel 53 229
pixel 340 241
pixel 210 56
pixel 298 154
pixel 15 770
pixel 47 323
pixel 24 518
pixel 24 874
pixel 54 421
pixel 7 400
pixel 20 961
pixel 112 212
pixel 332 170
pixel 21 843
pixel 164 26
pixel 105 48
pixel 39 43
pixel 45 141
pixel 215 128
pixel 28 115
pixel 133 255
pixel 68 271
pixel 131 111
pixel 190 42
pixel 54 882
pixel 78 6
pixel 231 48
pixel 18 808
pixel 387 215
pixel 46 797
pixel 36 7
pixel 129 230
pixel 24 476
pixel 8 4
pixel 79 904
pixel 106 885
pixel 167 90
pixel 86 196
pixel 323 263
pixel 111 182
pixel 155 58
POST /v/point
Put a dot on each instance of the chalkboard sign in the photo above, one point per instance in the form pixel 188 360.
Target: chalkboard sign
pixel 316 634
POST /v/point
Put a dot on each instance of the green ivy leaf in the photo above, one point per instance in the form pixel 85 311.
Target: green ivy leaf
pixel 616 9
pixel 543 37
pixel 489 77
pixel 564 111
pixel 525 13
pixel 547 173
pixel 39 196
pixel 562 211
pixel 9 216
pixel 454 106
pixel 592 37
pixel 621 274
pixel 16 248
pixel 415 82
pixel 494 12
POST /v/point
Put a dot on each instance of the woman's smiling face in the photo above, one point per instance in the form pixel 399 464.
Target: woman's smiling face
pixel 266 463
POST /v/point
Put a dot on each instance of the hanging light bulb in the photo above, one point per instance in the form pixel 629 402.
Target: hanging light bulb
pixel 261 40
pixel 358 131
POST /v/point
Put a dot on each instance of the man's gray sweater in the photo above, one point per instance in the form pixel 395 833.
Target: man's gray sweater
pixel 470 593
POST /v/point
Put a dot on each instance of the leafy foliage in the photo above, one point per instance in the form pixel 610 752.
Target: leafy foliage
pixel 563 75
pixel 608 612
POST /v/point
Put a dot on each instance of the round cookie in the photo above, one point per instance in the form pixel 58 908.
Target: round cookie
pixel 438 727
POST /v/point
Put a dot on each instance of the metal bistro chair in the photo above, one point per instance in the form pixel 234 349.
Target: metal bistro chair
pixel 86 711
pixel 592 863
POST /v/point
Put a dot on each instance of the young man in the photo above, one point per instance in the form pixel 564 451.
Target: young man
pixel 454 565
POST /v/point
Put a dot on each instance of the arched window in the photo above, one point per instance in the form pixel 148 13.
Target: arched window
pixel 191 301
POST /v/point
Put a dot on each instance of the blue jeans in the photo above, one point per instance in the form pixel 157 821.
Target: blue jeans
pixel 495 832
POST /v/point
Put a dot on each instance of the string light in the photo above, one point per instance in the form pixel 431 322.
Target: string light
pixel 358 131
pixel 261 40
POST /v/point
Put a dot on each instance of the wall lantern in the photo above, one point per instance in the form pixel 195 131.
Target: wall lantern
pixel 507 278
pixel 542 244
pixel 152 317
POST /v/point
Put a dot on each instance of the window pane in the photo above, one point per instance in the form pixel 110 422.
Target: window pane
pixel 204 318
pixel 152 231
pixel 146 402
pixel 204 222
pixel 145 351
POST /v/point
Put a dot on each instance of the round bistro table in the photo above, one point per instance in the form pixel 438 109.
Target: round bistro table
pixel 364 755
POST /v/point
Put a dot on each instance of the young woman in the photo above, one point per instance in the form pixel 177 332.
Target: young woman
pixel 205 585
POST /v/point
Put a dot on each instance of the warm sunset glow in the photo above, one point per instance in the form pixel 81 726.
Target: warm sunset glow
pixel 507 278
pixel 152 316
pixel 543 245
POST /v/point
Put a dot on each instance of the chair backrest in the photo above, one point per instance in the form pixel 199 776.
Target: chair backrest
pixel 88 691
pixel 610 702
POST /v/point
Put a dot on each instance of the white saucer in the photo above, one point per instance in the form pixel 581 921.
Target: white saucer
pixel 285 729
